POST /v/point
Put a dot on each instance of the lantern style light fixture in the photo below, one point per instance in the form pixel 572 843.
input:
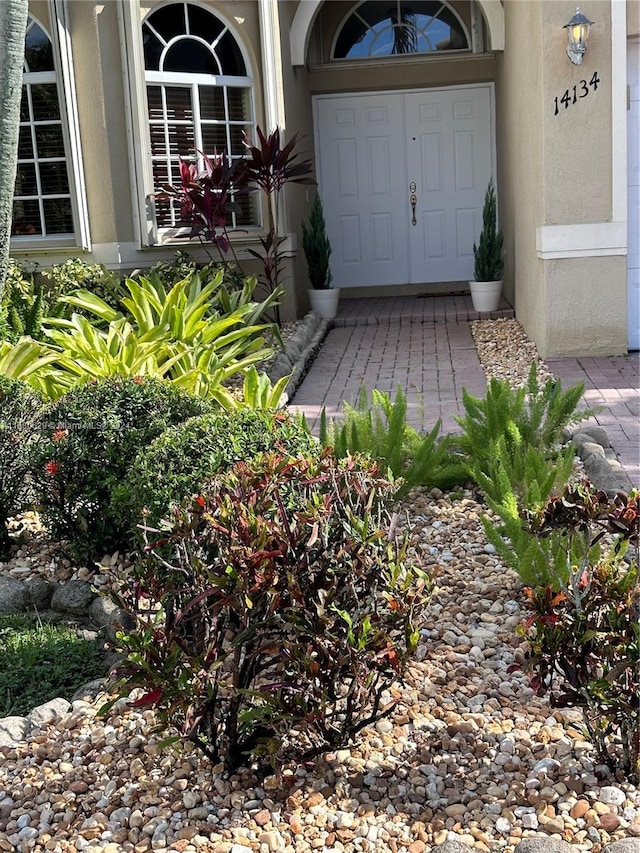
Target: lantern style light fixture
pixel 578 28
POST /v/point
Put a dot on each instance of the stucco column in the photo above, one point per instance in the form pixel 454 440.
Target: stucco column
pixel 571 291
pixel 271 64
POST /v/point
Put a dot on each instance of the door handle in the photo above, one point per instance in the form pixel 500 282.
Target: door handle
pixel 413 199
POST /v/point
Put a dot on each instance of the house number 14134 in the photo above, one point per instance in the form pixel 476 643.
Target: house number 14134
pixel 580 90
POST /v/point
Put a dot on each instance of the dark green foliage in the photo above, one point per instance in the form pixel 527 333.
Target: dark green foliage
pixel 177 463
pixel 26 300
pixel 91 436
pixel 487 253
pixel 30 298
pixel 19 422
pixel 583 631
pixel 40 662
pixel 317 248
pixel 182 266
pixel 74 273
pixel 379 430
pixel 170 272
pixel 283 615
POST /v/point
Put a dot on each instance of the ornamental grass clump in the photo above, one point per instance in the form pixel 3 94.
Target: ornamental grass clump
pixel 276 612
pixel 584 629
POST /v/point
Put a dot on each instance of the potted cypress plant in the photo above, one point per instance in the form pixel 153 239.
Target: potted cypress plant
pixel 317 249
pixel 488 267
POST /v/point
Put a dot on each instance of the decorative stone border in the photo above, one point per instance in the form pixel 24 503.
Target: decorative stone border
pixel 75 601
pixel 601 465
pixel 300 350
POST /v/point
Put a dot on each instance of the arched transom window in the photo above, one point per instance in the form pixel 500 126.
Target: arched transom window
pixel 42 200
pixel 200 97
pixel 387 28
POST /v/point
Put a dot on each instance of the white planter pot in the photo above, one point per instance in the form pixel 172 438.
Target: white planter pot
pixel 325 302
pixel 485 295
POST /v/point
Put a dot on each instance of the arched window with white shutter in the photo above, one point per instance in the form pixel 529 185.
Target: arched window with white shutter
pixel 199 95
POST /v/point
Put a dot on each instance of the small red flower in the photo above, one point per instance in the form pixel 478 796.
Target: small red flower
pixel 583 583
pixel 59 434
pixel 138 380
pixel 52 468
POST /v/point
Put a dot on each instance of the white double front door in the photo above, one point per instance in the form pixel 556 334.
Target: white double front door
pixel 402 176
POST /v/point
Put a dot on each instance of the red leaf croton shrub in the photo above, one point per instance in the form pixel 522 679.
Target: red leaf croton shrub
pixel 584 632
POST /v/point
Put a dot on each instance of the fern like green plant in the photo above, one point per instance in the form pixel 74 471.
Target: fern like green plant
pixel 379 430
pixel 511 442
pixel 521 478
pixel 534 415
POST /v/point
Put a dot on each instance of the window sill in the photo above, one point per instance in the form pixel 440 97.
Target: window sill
pixel 239 242
pixel 38 246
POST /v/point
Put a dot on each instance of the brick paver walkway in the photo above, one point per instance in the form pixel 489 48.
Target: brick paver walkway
pixel 425 346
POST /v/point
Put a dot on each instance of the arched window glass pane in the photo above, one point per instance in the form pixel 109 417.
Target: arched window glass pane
pixel 203 23
pixel 183 45
pixel 167 37
pixel 230 56
pixel 38 52
pixel 168 22
pixel 191 56
pixel 376 28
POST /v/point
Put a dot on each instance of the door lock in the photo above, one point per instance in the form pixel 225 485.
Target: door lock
pixel 413 199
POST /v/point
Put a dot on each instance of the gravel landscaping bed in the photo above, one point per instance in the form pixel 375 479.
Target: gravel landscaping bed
pixel 505 351
pixel 471 757
pixel 470 754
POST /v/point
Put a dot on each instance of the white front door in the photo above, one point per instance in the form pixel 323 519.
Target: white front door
pixel 402 176
pixel 633 195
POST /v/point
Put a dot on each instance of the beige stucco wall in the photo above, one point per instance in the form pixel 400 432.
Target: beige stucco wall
pixel 520 157
pixel 420 73
pixel 99 88
pixel 586 310
pixel 580 133
pixel 567 305
pixel 298 119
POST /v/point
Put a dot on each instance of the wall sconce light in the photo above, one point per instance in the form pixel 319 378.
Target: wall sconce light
pixel 578 28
